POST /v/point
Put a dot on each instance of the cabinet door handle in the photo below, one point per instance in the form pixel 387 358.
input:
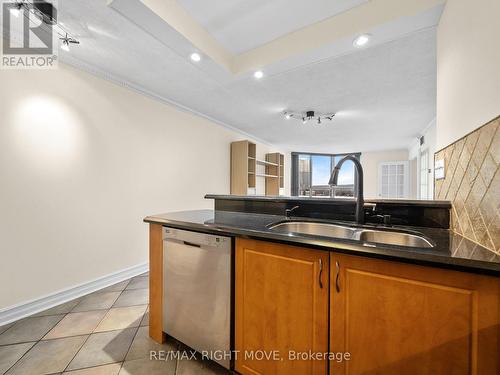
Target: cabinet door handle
pixel 337 270
pixel 320 273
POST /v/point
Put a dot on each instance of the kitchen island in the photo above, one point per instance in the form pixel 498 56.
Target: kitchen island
pixel 390 309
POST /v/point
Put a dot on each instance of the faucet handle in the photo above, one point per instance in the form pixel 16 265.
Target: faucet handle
pixel 288 211
pixel 370 206
pixel 385 219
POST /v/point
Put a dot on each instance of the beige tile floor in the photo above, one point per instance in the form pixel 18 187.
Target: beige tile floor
pixel 103 333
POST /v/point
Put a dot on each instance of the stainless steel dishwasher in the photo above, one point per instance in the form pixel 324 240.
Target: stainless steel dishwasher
pixel 197 290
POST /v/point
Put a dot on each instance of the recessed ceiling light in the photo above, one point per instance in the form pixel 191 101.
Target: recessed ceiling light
pixel 258 74
pixel 361 40
pixel 195 57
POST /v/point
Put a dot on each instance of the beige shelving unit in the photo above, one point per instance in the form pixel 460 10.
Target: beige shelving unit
pixel 275 169
pixel 246 168
pixel 243 167
pixel 282 171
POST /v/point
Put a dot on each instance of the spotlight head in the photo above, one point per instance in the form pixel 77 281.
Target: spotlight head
pixel 15 12
pixel 65 46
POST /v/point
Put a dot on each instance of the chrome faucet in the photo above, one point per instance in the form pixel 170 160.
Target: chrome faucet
pixel 360 213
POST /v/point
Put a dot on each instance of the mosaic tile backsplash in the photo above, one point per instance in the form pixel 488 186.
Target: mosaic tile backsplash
pixel 472 184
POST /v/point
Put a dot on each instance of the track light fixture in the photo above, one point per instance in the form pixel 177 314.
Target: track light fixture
pixel 307 116
pixel 47 13
pixel 15 10
pixel 66 40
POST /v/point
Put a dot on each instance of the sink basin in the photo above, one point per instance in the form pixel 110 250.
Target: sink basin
pixel 393 238
pixel 387 237
pixel 318 229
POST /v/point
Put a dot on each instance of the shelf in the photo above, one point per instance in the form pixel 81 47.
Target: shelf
pixel 263 175
pixel 264 162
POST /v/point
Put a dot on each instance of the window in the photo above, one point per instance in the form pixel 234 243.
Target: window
pixel 311 173
pixel 393 179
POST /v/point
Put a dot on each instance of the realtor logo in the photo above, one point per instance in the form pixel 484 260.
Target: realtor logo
pixel 28 37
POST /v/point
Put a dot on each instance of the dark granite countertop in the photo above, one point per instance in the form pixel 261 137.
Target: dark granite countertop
pixel 452 251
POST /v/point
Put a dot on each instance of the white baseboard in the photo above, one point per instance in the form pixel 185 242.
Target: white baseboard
pixel 22 310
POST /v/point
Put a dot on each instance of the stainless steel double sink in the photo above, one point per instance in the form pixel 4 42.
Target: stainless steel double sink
pixel 378 236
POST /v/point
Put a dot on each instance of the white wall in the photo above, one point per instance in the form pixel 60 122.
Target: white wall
pixel 468 74
pixel 370 162
pixel 82 161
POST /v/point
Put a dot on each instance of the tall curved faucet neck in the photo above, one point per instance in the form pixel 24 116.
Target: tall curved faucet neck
pixel 360 214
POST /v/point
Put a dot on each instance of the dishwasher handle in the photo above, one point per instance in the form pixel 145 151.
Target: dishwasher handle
pixel 187 243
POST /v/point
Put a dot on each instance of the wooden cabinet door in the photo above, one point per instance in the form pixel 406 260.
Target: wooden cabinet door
pixel 395 318
pixel 281 305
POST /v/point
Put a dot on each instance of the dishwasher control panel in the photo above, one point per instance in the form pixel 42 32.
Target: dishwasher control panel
pixel 196 238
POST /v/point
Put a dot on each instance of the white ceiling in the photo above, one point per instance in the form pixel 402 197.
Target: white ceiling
pixel 383 95
pixel 240 25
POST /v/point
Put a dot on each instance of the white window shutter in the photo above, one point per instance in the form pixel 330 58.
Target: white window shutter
pixel 393 180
